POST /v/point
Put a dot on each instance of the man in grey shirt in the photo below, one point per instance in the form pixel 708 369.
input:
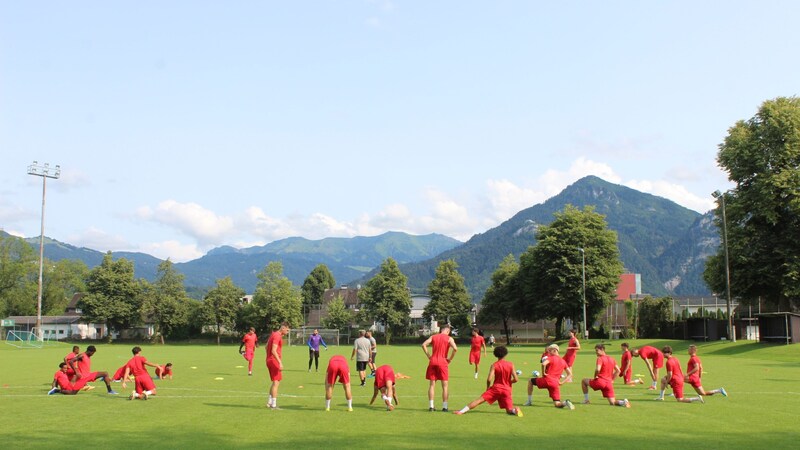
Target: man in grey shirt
pixel 373 352
pixel 361 351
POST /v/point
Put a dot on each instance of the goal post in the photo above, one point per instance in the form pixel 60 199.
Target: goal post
pixel 299 336
pixel 23 339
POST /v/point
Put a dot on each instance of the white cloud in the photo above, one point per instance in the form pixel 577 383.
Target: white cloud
pixel 190 218
pixel 99 240
pixel 174 250
pixel 675 192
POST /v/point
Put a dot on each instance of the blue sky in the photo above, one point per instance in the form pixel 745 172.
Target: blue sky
pixel 185 125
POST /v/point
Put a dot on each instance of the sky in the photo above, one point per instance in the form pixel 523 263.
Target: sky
pixel 182 126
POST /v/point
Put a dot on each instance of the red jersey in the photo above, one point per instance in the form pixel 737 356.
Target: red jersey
pixel 249 341
pixel 648 352
pixel 440 344
pixel 607 365
pixel 555 367
pixel 502 374
pixel 674 366
pixel 276 338
pixel 138 367
pixel 477 343
pixel 84 364
pixel 70 356
pixel 62 380
pixel 573 342
pixel 625 362
pixel 694 362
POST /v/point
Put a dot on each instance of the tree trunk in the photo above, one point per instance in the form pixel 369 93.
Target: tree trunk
pixel 219 332
pixel 505 329
pixel 559 325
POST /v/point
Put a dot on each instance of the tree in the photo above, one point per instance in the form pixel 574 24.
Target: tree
pixel 221 305
pixel 551 273
pixel 165 301
pixel 315 285
pixel 338 317
pixel 18 277
pixel 762 158
pixel 112 295
pixel 386 299
pixel 654 313
pixel 450 300
pixel 62 280
pixel 501 299
pixel 276 300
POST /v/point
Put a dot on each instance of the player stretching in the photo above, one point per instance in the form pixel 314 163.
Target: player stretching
pixel 498 385
pixel 674 379
pixel 137 366
pixel 337 369
pixel 164 372
pixel 275 362
pixel 573 347
pixel 386 384
pixel 605 371
pixel 476 346
pixel 657 358
pixel 694 371
pixel 314 341
pixel 552 368
pixel 81 366
pixel 625 366
pixel 61 383
pixel 75 352
pixel 438 362
pixel 249 342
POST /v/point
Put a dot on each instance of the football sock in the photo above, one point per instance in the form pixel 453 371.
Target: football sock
pixel 464 409
pixel 530 399
pixel 586 397
pixel 327 404
pixel 444 405
pixel 148 392
pixel 620 402
pixel 350 403
pixel 662 393
pixel 431 403
pixel 269 401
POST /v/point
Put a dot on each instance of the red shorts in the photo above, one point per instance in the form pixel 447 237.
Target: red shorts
pixel 626 375
pixel 275 373
pixel 677 386
pixel 475 357
pixel 437 372
pixel 552 386
pixel 658 361
pixel 89 377
pixel 500 395
pixel 248 354
pixel 694 381
pixel 340 371
pixel 570 360
pixel 70 373
pixel 381 379
pixel 604 386
pixel 144 383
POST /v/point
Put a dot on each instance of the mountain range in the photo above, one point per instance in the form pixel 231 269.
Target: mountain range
pixel 664 242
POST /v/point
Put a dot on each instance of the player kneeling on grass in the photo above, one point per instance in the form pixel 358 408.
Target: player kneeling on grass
pixel 606 369
pixel 694 371
pixel 552 368
pixel 674 378
pixel 385 384
pixel 61 383
pixel 137 366
pixel 498 385
pixel 337 368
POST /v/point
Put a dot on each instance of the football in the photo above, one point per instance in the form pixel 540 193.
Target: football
pixel 519 372
pixel 535 374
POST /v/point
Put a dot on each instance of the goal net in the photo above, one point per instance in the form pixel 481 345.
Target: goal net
pixel 299 336
pixel 23 339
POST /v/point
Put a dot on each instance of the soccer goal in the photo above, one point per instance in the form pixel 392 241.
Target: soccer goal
pixel 299 336
pixel 23 339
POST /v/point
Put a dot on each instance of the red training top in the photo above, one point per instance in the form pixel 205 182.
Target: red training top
pixel 276 338
pixel 606 364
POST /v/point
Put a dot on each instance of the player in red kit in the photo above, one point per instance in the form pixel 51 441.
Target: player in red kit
pixel 137 366
pixel 477 346
pixel 694 371
pixel 498 385
pixel 275 363
pixel 552 368
pixel 605 371
pixel 75 352
pixel 63 385
pixel 164 371
pixel 338 370
pixel 653 354
pixel 386 384
pixel 438 360
pixel 81 365
pixel 250 343
pixel 674 379
pixel 573 346
pixel 625 366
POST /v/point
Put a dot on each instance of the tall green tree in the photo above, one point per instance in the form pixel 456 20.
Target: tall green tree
pixel 112 295
pixel 501 301
pixel 338 317
pixel 18 277
pixel 450 300
pixel 276 299
pixel 386 299
pixel 551 272
pixel 221 305
pixel 762 211
pixel 165 301
pixel 62 280
pixel 654 316
pixel 315 285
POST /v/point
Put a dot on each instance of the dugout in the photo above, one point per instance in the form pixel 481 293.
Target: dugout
pixel 706 329
pixel 782 327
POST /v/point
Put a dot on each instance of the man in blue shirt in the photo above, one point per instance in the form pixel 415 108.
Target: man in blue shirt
pixel 314 341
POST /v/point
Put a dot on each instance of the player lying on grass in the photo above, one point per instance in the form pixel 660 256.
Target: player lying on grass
pixel 606 369
pixel 61 383
pixel 674 379
pixel 385 380
pixel 498 385
pixel 694 371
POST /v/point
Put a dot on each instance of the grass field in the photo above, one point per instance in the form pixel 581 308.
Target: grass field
pixel 195 410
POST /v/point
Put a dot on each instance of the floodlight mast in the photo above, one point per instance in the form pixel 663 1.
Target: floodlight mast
pixel 731 331
pixel 44 171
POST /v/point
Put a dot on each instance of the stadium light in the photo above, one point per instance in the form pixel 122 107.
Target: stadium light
pixel 44 171
pixel 721 197
pixel 583 274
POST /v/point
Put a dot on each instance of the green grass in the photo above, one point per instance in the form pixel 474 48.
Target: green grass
pixel 196 411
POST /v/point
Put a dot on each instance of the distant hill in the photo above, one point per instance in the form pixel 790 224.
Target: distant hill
pixel 658 238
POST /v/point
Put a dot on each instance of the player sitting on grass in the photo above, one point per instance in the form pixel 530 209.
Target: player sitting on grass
pixel 694 371
pixel 61 383
pixel 385 384
pixel 498 385
pixel 606 369
pixel 674 378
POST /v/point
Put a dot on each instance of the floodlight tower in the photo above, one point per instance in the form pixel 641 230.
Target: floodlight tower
pixel 45 172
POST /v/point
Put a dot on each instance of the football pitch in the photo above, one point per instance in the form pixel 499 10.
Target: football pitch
pixel 212 403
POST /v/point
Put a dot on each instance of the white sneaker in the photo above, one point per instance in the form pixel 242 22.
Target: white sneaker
pixel 568 404
pixel 527 404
